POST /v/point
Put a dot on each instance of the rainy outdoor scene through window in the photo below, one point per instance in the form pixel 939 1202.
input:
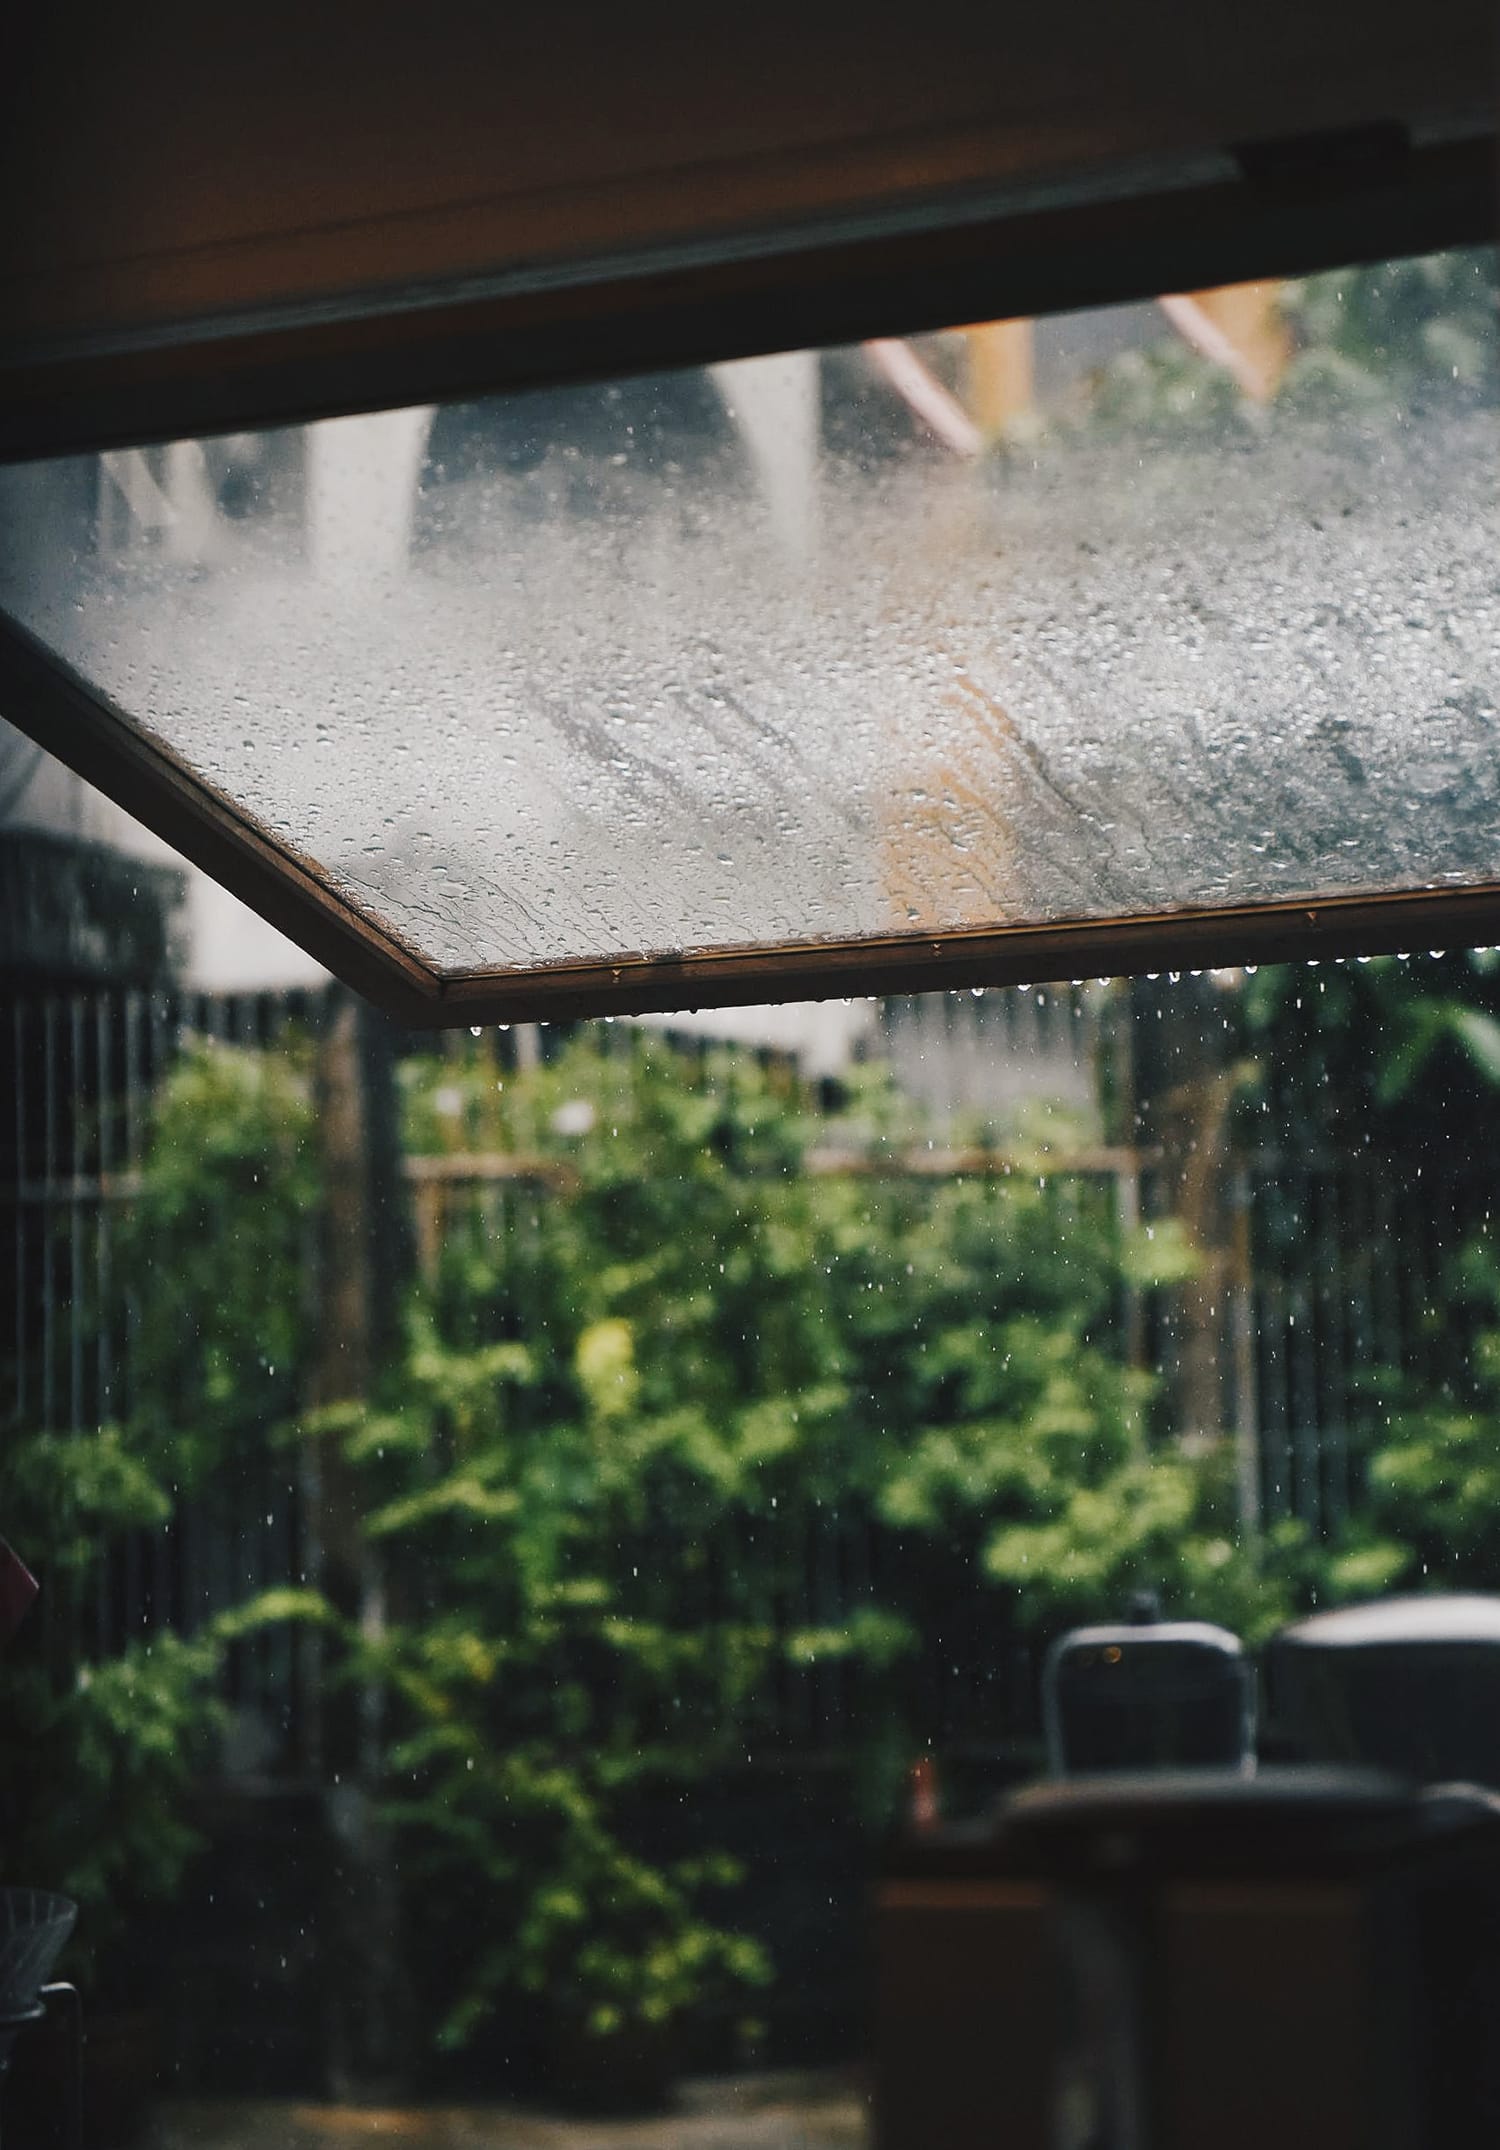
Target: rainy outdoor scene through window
pixel 555 1543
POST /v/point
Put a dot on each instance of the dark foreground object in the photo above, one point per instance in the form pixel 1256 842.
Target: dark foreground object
pixel 1308 1959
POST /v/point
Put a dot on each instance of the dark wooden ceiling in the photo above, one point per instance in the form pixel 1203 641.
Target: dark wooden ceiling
pixel 218 217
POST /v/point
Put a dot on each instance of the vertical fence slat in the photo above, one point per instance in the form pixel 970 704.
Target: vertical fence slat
pixel 19 1177
pixel 49 1175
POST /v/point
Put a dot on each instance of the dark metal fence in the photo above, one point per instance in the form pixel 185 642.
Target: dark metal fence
pixel 1322 1271
pixel 81 1070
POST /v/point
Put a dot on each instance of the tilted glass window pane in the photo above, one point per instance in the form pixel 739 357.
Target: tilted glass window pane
pixel 813 649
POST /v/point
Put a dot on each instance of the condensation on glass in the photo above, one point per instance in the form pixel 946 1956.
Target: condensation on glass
pixel 785 652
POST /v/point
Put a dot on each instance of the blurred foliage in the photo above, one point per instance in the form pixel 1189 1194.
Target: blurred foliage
pixel 698 1333
pixel 1389 335
pixel 1166 386
pixel 97 1777
pixel 1395 329
pixel 101 1753
pixel 632 1398
pixel 1432 1510
pixel 98 1755
pixel 223 1225
pixel 1400 1053
pixel 1400 1057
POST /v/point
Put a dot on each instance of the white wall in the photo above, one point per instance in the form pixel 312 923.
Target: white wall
pixel 229 948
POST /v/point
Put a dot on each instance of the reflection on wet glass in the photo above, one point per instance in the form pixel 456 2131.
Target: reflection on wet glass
pixel 897 640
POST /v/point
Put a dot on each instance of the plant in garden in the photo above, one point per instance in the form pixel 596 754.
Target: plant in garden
pixel 1400 1053
pixel 221 1227
pixel 1395 328
pixel 708 1330
pixel 1433 1470
pixel 99 1753
pixel 1166 387
pixel 1381 335
pixel 1399 1059
pixel 102 1749
pixel 706 1398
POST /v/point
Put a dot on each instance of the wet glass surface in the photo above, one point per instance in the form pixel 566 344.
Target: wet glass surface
pixel 777 653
